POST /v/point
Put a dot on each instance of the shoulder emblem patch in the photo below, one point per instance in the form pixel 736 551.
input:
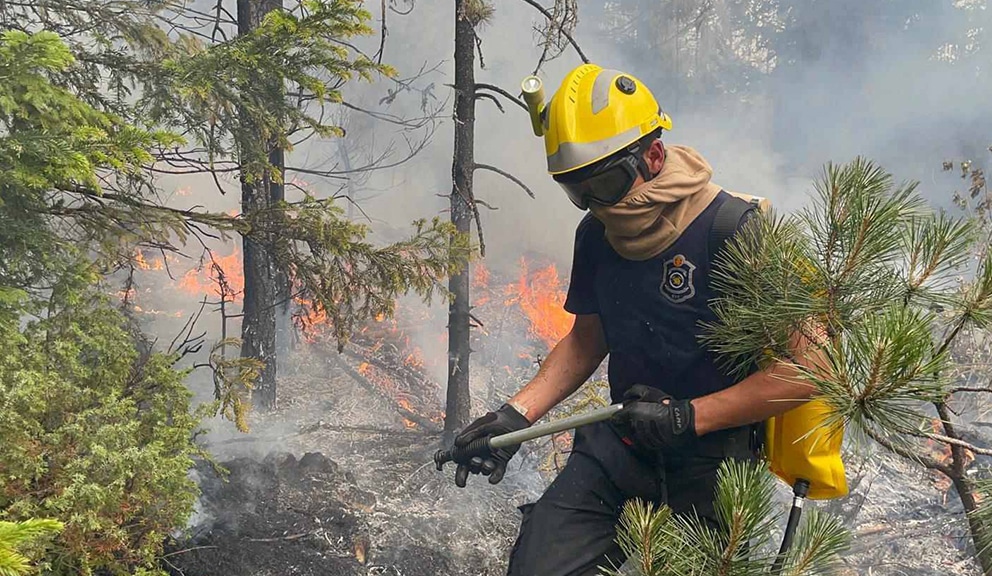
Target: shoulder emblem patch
pixel 676 283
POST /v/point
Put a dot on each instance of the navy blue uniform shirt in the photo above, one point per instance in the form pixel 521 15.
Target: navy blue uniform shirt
pixel 651 309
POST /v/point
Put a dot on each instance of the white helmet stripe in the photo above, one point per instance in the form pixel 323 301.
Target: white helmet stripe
pixel 575 155
pixel 601 89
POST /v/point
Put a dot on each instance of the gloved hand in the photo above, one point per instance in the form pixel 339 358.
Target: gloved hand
pixel 502 421
pixel 656 420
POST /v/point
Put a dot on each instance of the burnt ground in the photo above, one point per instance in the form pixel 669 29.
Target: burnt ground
pixel 335 482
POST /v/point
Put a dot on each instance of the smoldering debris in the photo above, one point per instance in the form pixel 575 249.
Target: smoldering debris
pixel 278 515
pixel 339 479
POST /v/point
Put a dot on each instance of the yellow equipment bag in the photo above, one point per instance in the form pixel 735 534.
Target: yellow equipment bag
pixel 798 445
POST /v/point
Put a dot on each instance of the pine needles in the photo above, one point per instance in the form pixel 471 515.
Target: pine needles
pixel 657 543
pixel 15 537
pixel 869 265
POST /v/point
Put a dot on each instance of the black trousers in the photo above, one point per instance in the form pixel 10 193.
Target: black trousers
pixel 571 529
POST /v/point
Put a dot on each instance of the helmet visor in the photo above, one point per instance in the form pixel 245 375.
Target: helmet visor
pixel 605 185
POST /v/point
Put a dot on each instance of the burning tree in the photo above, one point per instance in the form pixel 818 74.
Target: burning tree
pixel 98 425
pixel 243 84
pixel 869 263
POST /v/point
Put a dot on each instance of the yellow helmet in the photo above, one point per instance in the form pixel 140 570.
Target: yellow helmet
pixel 595 113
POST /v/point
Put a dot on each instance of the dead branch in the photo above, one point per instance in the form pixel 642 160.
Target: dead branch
pixel 383 34
pixel 471 203
pixel 506 175
pixel 501 92
pixel 925 461
pixel 282 538
pixel 985 389
pixel 320 425
pixel 490 97
pixel 958 442
pixel 185 550
pixel 561 29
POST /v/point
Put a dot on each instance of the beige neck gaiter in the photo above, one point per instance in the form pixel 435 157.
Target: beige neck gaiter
pixel 653 216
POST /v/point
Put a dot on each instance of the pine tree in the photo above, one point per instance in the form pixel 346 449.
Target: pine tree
pixel 893 285
pixel 240 103
pixel 658 543
pixel 15 536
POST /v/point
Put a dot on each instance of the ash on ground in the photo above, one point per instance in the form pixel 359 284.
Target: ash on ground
pixel 340 481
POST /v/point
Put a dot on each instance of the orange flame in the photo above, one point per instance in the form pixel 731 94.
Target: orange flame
pixel 409 407
pixel 414 359
pixel 142 264
pixel 480 276
pixel 542 297
pixel 206 282
pixel 312 320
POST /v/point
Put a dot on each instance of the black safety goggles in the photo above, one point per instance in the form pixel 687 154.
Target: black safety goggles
pixel 606 182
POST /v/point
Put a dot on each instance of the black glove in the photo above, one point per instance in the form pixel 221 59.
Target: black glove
pixel 656 420
pixel 502 421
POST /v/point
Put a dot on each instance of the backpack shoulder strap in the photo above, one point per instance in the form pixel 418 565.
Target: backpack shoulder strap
pixel 727 219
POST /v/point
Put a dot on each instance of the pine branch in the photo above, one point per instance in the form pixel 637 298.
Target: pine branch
pixel 925 461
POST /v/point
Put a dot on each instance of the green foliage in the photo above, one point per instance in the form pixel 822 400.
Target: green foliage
pixel 230 95
pixel 52 141
pixel 875 270
pixel 982 515
pixel 659 543
pixel 17 536
pixel 97 433
pixel 351 280
pixel 234 379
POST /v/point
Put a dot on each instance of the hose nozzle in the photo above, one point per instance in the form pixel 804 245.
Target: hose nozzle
pixel 533 90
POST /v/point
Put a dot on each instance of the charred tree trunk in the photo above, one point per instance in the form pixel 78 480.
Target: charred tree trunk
pixel 980 532
pixel 262 283
pixel 283 283
pixel 462 167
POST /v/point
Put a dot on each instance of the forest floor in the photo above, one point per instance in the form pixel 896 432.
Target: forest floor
pixel 335 482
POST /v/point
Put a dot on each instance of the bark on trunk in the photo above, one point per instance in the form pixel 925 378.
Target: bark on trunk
pixel 979 532
pixel 262 283
pixel 463 162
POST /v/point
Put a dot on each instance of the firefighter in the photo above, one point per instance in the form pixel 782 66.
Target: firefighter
pixel 639 288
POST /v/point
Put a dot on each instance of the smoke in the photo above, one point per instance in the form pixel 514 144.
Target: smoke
pixel 900 82
pixel 849 78
pixel 909 91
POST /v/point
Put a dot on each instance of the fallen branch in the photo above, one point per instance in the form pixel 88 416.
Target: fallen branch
pixel 283 538
pixel 370 430
pixel 185 550
pixel 426 424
